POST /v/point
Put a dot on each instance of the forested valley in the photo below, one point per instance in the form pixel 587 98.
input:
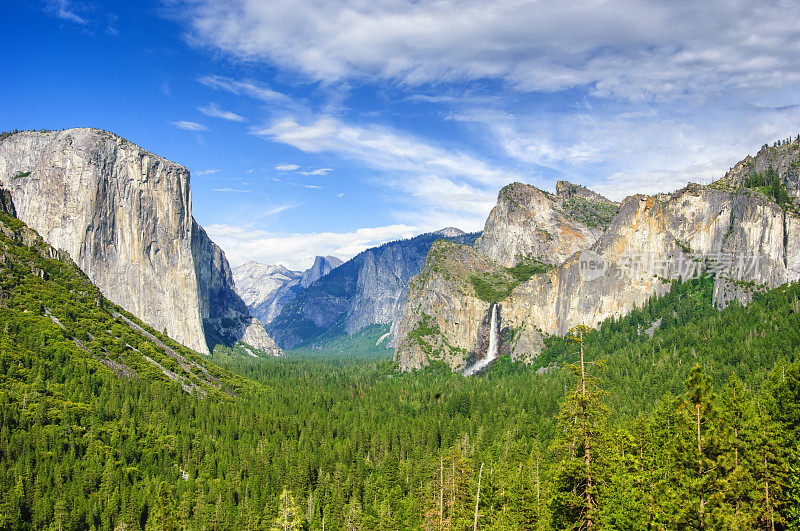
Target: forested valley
pixel 691 424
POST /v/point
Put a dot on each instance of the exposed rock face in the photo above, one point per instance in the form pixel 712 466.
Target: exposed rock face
pixel 367 289
pixel 530 223
pixel 738 233
pixel 443 317
pixel 322 266
pixel 450 232
pixel 225 316
pixel 7 203
pixel 256 282
pixel 124 216
pixel 745 237
pixel 266 289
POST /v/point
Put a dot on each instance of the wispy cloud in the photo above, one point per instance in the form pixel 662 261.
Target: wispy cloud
pixel 250 88
pixel 438 185
pixel 319 171
pixel 189 126
pixel 624 96
pixel 297 250
pixel 637 151
pixel 276 210
pixel 207 172
pixel 238 190
pixel 214 111
pixel 64 10
pixel 379 147
pixel 298 169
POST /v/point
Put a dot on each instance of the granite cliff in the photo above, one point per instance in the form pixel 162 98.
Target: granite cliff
pixel 125 217
pixel 266 289
pixel 746 235
pixel 531 223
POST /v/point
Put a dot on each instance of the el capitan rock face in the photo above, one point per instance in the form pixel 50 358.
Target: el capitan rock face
pixel 125 217
pixel 738 232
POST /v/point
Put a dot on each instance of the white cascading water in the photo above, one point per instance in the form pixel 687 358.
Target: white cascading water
pixel 491 352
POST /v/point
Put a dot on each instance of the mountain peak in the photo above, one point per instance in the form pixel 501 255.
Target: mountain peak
pixel 322 266
pixel 566 189
pixel 530 223
pixel 450 232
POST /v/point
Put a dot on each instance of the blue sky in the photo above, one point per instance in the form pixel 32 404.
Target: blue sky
pixel 324 127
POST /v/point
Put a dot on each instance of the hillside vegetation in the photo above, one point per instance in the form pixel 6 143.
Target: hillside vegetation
pixel 296 443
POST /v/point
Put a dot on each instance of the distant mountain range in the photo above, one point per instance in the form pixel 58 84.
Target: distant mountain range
pixel 547 261
pixel 366 290
pixel 266 289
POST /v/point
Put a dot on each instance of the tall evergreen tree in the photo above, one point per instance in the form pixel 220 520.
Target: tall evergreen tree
pixel 580 444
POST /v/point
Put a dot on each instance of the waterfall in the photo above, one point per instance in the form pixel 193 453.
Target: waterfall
pixel 491 352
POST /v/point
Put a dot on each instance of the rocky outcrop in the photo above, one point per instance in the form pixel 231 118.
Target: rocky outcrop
pixel 321 267
pixel 256 282
pixel 266 289
pixel 443 317
pixel 741 236
pixel 368 289
pixel 528 223
pixel 125 217
pixel 7 203
pixel 226 318
pixel 784 158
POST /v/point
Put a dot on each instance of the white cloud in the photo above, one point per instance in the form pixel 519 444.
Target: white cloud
pixel 276 210
pixel 319 171
pixel 238 190
pixel 213 110
pixel 297 168
pixel 634 49
pixel 249 88
pixel 440 186
pixel 380 147
pixel 624 96
pixel 64 10
pixel 297 251
pixel 189 126
pixel 207 172
pixel 636 151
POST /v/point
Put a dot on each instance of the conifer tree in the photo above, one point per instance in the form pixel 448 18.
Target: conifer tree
pixel 579 445
pixel 289 514
pixel 736 429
